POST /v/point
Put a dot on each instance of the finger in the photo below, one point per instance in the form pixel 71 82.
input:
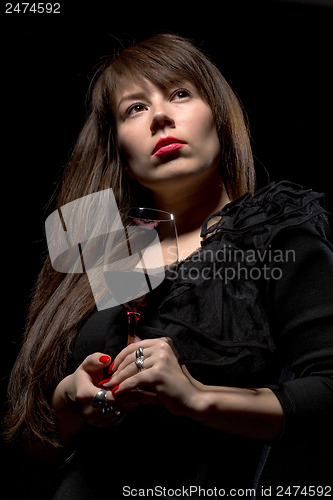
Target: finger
pixel 128 371
pixel 140 379
pixel 127 351
pixel 128 361
pixel 125 403
pixel 108 413
pixel 95 362
pixel 109 380
pixel 131 348
pixel 150 347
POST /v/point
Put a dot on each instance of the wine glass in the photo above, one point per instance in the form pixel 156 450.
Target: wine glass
pixel 139 258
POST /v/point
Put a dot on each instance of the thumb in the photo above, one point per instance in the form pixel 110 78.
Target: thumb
pixel 136 339
pixel 96 361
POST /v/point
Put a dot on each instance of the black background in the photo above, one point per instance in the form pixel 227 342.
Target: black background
pixel 277 55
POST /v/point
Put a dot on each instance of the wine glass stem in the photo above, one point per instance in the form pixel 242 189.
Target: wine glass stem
pixel 132 321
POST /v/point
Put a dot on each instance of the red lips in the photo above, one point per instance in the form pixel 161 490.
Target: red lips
pixel 166 145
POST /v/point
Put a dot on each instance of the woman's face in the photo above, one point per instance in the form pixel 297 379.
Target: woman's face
pixel 166 135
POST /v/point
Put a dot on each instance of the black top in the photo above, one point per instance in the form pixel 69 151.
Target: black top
pixel 251 308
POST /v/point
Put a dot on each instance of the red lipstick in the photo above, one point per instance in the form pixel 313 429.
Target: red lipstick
pixel 166 145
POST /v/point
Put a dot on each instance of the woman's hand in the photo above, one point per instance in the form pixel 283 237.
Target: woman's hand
pixel 78 390
pixel 254 413
pixel 73 397
pixel 162 376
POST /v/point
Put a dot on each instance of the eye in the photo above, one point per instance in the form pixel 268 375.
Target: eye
pixel 180 94
pixel 135 108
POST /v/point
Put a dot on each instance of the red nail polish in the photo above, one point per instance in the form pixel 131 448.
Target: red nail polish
pixel 104 359
pixel 110 367
pixel 115 388
pixel 102 382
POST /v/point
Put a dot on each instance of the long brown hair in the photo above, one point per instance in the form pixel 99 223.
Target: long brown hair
pixel 62 302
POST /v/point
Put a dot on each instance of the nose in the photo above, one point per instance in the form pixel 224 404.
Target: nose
pixel 160 120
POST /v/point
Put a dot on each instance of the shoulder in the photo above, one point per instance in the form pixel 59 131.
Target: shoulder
pixel 255 220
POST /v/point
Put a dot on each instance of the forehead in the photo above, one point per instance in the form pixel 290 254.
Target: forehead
pixel 131 86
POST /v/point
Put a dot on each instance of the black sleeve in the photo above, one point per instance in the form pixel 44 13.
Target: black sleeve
pixel 301 306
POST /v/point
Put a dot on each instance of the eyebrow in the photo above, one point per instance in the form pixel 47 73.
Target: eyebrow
pixel 132 97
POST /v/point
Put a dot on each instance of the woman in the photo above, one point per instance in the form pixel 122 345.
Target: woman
pixel 235 358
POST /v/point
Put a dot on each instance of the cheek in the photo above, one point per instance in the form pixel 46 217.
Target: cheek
pixel 127 149
pixel 130 144
pixel 201 122
pixel 132 155
pixel 206 124
pixel 204 130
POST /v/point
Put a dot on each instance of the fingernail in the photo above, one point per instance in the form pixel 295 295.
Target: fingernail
pixel 104 359
pixel 110 368
pixel 115 388
pixel 105 381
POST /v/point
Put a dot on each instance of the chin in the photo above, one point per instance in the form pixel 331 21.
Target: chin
pixel 178 171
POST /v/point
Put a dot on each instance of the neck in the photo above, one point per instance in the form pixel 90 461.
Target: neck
pixel 191 207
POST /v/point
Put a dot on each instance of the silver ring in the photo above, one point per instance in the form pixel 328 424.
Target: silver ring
pixel 111 410
pixel 139 363
pixel 139 353
pixel 117 413
pixel 106 410
pixel 99 400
